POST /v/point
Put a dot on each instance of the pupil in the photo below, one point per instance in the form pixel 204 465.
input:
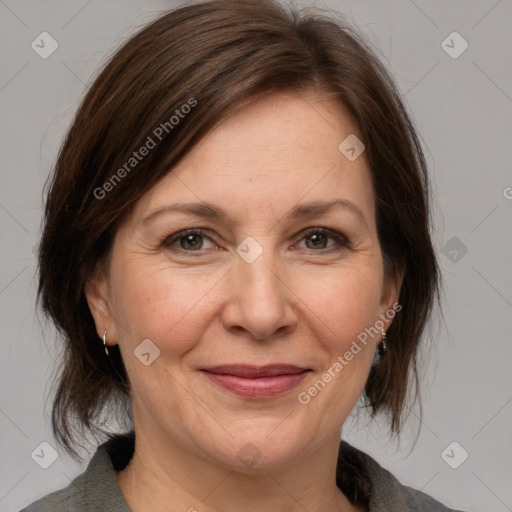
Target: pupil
pixel 191 240
pixel 316 239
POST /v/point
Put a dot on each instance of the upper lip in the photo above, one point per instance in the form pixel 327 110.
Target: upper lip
pixel 251 372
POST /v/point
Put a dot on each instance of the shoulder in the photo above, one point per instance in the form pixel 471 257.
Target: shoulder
pixel 73 497
pixel 96 488
pixel 379 489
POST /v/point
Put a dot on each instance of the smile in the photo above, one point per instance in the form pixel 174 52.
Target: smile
pixel 256 383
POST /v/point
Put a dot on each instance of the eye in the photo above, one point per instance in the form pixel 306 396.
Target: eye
pixel 316 240
pixel 190 240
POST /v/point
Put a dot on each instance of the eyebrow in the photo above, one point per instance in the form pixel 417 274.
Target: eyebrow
pixel 209 210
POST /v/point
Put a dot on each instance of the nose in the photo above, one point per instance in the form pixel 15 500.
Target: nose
pixel 260 301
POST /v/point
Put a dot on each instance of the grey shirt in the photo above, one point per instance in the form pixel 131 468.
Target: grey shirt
pixel 358 475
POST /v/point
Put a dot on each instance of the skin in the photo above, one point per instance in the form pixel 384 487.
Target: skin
pixel 202 304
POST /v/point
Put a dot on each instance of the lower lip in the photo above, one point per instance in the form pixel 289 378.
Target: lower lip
pixel 258 388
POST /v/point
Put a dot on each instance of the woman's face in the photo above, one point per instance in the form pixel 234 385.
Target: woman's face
pixel 276 278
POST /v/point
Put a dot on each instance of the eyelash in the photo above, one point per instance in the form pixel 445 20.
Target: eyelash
pixel 342 241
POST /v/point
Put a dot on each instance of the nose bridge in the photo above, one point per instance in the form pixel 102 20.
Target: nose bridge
pixel 264 273
pixel 258 271
pixel 261 304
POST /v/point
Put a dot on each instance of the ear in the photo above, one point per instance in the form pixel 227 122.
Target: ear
pixel 390 293
pixel 96 292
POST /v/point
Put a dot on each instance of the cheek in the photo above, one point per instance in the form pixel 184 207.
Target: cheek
pixel 344 304
pixel 341 303
pixel 169 307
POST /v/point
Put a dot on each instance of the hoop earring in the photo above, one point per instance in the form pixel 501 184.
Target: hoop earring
pixel 105 343
pixel 383 347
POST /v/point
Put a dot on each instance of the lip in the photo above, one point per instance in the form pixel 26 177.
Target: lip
pixel 256 382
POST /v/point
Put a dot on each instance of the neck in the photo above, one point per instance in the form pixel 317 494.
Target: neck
pixel 167 476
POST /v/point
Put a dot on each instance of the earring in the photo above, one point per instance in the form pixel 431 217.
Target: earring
pixel 383 347
pixel 105 343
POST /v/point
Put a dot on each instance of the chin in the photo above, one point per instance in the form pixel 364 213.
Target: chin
pixel 260 445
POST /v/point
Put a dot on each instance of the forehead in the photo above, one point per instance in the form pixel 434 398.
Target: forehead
pixel 267 156
pixel 276 129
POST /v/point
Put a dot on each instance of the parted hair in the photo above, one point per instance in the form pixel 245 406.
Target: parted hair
pixel 216 56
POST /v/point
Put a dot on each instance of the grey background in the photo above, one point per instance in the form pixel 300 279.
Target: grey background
pixel 462 108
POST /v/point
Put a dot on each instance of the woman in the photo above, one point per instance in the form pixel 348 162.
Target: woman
pixel 236 248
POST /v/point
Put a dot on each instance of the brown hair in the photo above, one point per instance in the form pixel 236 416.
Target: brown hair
pixel 215 56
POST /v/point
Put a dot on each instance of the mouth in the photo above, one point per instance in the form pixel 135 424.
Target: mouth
pixel 256 382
